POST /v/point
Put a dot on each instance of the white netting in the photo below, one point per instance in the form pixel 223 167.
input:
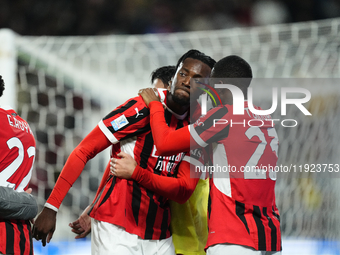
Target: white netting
pixel 66 84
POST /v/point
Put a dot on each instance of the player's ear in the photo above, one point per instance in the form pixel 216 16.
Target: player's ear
pixel 170 83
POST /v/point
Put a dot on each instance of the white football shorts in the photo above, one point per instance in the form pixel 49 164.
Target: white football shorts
pixel 110 239
pixel 234 249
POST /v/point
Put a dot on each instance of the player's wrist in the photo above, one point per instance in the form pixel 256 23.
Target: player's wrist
pixel 136 173
pixel 52 207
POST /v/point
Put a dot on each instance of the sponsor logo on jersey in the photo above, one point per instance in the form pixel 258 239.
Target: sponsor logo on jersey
pixel 120 122
pixel 166 163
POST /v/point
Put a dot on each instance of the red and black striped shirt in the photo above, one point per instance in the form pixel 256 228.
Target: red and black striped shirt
pixel 242 207
pixel 16 237
pixel 125 202
pixel 17 153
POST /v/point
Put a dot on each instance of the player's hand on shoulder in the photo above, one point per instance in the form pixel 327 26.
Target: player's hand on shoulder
pixel 124 166
pixel 149 95
pixel 82 226
pixel 44 225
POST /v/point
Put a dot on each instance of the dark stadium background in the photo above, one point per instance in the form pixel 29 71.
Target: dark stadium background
pixel 98 17
pixel 130 17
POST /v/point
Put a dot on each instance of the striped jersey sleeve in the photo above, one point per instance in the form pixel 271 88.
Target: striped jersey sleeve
pixel 212 127
pixel 127 120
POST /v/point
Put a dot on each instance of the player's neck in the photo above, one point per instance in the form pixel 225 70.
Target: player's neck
pixel 175 107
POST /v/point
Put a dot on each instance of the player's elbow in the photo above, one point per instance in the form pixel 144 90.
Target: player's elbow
pixel 164 151
pixel 83 153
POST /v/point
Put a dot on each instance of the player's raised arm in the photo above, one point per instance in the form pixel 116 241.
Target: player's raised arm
pixel 168 142
pixel 194 136
pixel 149 95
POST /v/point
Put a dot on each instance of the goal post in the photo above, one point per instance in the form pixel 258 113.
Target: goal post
pixel 65 85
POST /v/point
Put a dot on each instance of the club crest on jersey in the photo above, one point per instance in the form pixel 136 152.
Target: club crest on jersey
pixel 120 122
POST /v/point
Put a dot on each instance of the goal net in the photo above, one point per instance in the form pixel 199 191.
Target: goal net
pixel 65 85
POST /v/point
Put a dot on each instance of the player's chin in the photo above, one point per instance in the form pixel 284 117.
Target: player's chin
pixel 181 98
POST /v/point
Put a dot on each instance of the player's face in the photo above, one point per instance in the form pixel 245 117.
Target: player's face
pixel 158 84
pixel 189 69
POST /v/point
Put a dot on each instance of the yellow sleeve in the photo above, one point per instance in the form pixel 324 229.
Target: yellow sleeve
pixel 189 224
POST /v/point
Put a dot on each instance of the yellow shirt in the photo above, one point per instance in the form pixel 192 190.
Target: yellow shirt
pixel 189 225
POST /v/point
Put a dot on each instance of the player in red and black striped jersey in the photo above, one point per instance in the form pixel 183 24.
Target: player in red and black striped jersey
pixel 161 79
pixel 243 215
pixel 17 153
pixel 243 209
pixel 123 203
pixel 149 216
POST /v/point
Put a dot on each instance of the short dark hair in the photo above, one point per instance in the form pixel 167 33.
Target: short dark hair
pixel 164 73
pixel 233 67
pixel 2 86
pixel 196 54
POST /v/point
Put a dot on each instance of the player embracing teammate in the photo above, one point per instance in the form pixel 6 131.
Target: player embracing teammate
pixel 132 216
pixel 243 217
pixel 129 219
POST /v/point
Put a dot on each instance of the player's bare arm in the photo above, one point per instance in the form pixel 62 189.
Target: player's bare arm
pixel 82 226
pixel 124 166
pixel 149 95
